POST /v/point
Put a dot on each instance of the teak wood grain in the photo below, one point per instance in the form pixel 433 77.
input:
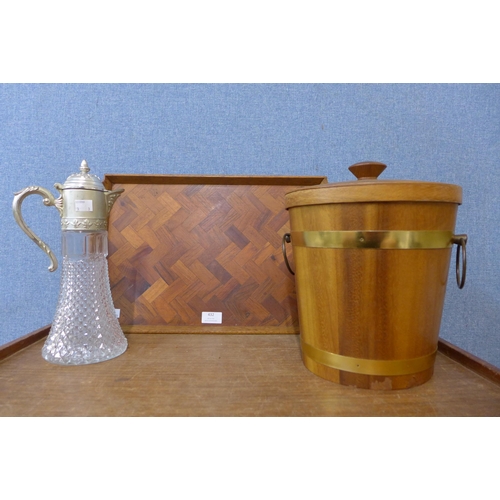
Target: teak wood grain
pixel 183 245
pixel 223 375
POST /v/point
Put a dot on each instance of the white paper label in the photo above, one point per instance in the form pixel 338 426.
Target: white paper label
pixel 117 312
pixel 211 317
pixel 83 206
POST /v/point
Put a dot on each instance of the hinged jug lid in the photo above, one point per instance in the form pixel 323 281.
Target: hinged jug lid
pixel 367 188
pixel 83 180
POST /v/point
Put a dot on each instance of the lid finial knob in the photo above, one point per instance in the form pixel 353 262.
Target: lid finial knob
pixel 367 170
pixel 84 168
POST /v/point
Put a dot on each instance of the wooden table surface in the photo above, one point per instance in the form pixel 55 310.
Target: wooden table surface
pixel 223 375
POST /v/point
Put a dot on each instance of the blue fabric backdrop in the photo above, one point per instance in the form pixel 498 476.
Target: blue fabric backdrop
pixel 437 132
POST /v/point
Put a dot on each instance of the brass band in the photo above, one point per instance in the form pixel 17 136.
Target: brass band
pixel 368 366
pixel 402 240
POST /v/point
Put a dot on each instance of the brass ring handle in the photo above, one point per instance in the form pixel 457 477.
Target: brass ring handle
pixel 48 200
pixel 461 241
pixel 286 239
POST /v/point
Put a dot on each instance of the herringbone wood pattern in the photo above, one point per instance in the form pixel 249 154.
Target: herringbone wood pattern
pixel 176 250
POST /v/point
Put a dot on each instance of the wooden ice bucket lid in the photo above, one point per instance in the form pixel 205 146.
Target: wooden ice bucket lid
pixel 368 188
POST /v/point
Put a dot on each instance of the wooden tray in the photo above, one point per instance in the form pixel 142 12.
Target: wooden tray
pixel 183 245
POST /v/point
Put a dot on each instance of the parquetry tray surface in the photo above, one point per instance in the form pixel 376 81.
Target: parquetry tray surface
pixel 183 245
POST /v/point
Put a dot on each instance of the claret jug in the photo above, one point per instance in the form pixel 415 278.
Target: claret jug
pixel 85 328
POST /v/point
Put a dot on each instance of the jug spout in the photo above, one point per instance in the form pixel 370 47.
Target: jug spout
pixel 111 197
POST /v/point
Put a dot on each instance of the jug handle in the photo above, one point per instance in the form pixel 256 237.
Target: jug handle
pixel 48 200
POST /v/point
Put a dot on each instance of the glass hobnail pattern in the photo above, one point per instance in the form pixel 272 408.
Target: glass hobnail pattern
pixel 85 328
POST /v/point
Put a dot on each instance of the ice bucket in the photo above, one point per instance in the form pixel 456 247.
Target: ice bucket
pixel 371 261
